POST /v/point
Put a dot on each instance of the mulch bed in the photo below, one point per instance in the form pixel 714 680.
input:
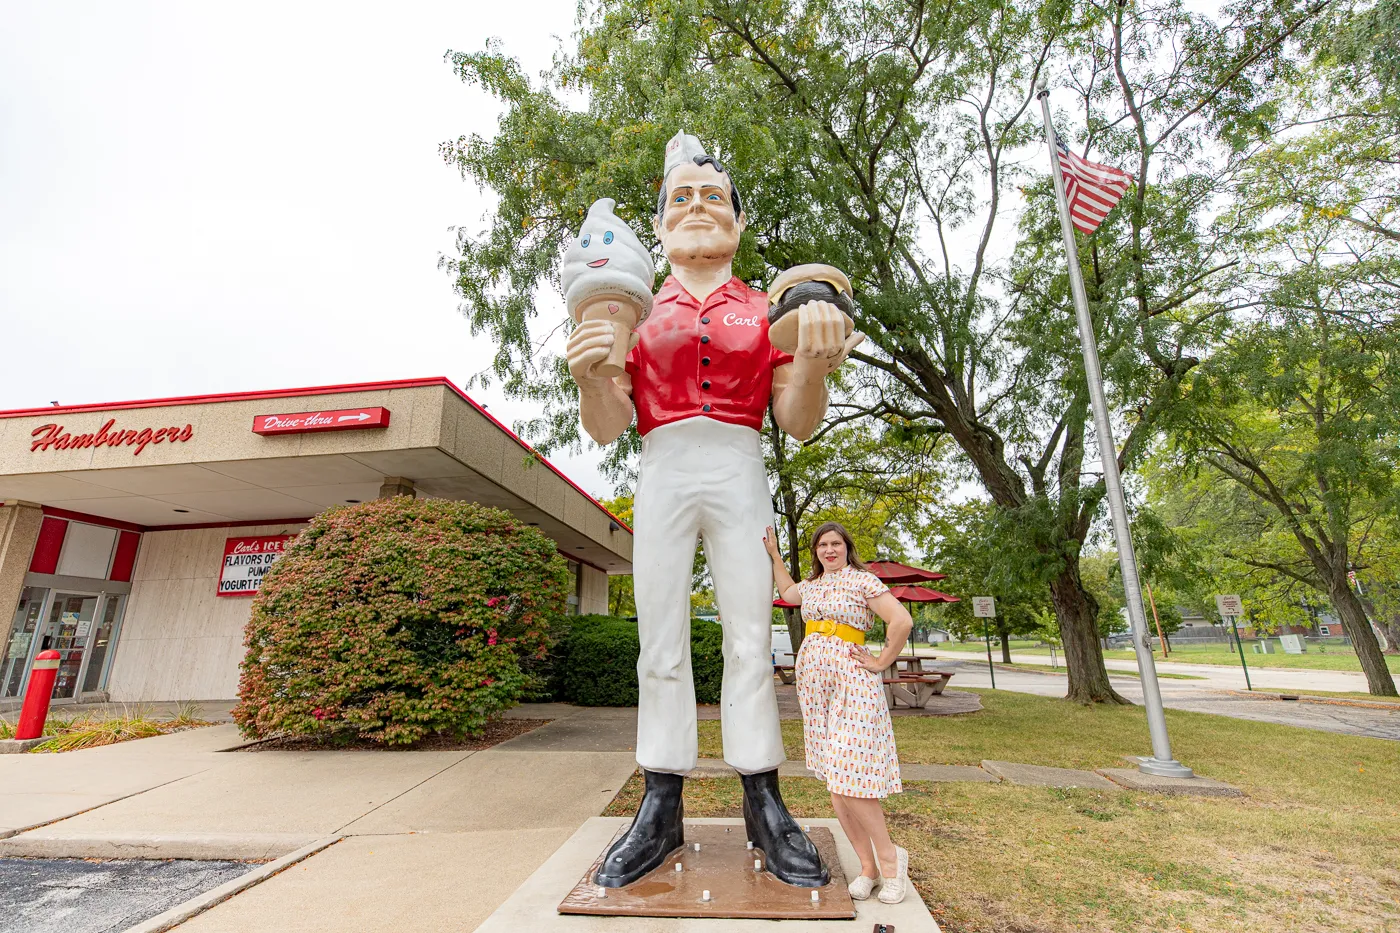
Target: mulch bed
pixel 494 734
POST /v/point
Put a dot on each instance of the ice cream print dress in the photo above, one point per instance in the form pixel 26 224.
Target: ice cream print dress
pixel 845 721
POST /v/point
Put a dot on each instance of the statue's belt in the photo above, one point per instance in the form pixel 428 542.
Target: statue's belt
pixel 836 629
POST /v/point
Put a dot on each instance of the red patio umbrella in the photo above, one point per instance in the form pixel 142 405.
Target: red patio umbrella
pixel 920 594
pixel 892 571
pixel 781 603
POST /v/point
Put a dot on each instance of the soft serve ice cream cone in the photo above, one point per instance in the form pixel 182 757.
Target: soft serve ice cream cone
pixel 607 276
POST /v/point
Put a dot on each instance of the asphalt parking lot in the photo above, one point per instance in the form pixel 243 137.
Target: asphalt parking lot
pixel 92 896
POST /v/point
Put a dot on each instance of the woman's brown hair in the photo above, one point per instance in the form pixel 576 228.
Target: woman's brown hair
pixel 851 558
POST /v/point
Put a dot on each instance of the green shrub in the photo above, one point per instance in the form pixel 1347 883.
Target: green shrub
pixel 400 618
pixel 595 663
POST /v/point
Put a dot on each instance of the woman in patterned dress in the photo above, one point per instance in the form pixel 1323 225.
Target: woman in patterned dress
pixel 845 720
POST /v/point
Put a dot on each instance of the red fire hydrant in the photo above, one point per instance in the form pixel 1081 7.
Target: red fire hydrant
pixel 37 696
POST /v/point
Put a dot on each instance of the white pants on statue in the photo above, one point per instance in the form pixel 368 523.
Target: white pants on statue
pixel 704 478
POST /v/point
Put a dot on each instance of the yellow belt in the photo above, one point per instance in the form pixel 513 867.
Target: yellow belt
pixel 839 629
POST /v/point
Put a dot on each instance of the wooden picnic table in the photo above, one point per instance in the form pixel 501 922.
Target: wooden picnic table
pixel 913 686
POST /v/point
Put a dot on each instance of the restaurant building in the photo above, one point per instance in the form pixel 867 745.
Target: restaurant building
pixel 134 534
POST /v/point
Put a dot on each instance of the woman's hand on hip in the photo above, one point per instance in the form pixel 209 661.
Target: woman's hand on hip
pixel 865 659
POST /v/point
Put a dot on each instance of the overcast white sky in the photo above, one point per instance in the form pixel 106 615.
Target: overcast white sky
pixel 205 199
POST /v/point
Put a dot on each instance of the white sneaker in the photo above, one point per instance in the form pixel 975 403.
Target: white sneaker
pixel 860 888
pixel 893 890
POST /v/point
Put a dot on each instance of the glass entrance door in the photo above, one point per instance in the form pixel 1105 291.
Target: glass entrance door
pixel 68 632
pixel 102 639
pixel 20 648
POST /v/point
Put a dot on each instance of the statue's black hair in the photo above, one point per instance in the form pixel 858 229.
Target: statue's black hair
pixel 702 159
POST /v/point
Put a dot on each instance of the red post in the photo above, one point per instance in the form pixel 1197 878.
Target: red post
pixel 37 696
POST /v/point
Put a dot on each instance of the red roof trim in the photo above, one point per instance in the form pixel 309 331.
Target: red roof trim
pixel 246 523
pixel 313 390
pixel 579 560
pixel 92 519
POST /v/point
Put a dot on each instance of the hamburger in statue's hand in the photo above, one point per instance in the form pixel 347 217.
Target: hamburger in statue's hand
pixel 794 288
pixel 607 276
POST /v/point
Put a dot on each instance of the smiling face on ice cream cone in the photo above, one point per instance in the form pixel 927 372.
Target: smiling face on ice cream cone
pixel 607 276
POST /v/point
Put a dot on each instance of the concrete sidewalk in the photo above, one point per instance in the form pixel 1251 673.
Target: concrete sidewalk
pixel 439 837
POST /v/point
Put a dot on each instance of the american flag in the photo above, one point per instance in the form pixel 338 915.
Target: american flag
pixel 1090 188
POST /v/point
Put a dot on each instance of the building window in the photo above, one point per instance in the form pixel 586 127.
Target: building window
pixel 576 597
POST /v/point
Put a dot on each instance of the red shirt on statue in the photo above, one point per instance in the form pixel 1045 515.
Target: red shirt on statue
pixel 711 360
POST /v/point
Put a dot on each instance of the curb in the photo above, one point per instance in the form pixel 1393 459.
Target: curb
pixel 1306 698
pixel 17 746
pixel 239 847
pixel 202 902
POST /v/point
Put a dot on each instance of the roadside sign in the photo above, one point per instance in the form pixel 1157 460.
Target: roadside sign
pixel 1229 606
pixel 984 607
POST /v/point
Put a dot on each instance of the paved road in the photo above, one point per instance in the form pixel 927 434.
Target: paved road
pixel 1200 697
pixel 1219 676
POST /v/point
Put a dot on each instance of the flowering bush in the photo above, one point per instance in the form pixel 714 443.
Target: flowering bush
pixel 399 618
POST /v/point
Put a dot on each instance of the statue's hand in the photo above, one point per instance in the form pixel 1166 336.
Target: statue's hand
pixel 588 346
pixel 822 344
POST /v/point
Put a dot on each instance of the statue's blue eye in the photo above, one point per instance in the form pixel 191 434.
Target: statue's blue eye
pixel 584 241
pixel 607 237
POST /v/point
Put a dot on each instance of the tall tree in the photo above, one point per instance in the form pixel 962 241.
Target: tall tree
pixel 1300 408
pixel 976 546
pixel 1300 412
pixel 883 137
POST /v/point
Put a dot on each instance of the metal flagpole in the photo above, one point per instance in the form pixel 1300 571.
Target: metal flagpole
pixel 1161 762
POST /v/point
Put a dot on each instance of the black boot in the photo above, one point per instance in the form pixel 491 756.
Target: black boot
pixel 791 856
pixel 656 832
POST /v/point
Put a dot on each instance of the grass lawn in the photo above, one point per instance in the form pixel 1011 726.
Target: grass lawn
pixel 70 733
pixel 1312 848
pixel 1338 658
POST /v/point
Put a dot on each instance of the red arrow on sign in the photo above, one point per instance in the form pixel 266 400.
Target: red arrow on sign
pixel 310 422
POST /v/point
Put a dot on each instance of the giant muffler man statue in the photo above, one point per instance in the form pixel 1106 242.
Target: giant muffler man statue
pixel 698 374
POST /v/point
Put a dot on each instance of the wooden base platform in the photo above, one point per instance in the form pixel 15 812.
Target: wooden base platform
pixel 534 907
pixel 724 866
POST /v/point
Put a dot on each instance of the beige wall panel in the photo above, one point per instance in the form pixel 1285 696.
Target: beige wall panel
pixel 552 493
pixel 480 444
pixel 520 473
pixel 594 599
pixel 575 515
pixel 179 640
pixel 449 415
pixel 153 558
pixel 19 531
